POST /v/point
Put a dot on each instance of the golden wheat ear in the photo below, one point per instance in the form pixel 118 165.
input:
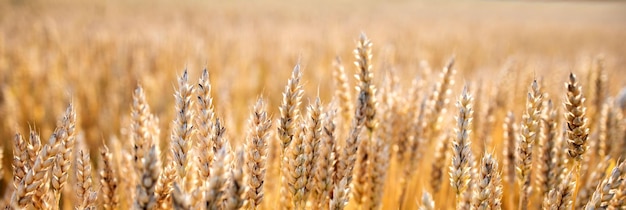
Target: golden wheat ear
pixel 256 151
pixel 460 168
pixel 427 202
pixel 530 132
pixel 290 108
pixel 204 126
pixel 182 133
pixel 485 189
pixel 86 195
pixel 108 180
pixel 577 131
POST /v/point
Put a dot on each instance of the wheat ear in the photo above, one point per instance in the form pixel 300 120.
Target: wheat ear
pixel 20 159
pixel 204 125
pixel 236 189
pixel 163 188
pixel 438 100
pixel 147 181
pixel 530 129
pixel 427 202
pixel 342 91
pixel 484 190
pixel 217 181
pixel 607 189
pixel 108 180
pixel 560 198
pixel 577 132
pixel 290 108
pixel 63 160
pixel 511 139
pixel 460 168
pixel 256 153
pixel 323 170
pixel 182 132
pixel 548 150
pixel 85 193
pixel 441 156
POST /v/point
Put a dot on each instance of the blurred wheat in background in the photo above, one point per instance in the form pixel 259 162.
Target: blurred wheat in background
pixel 253 105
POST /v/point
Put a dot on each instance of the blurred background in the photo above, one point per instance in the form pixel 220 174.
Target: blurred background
pixel 94 53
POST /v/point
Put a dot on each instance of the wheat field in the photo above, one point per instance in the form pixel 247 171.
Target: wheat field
pixel 312 104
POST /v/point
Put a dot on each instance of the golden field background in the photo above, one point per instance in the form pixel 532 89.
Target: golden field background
pixel 95 53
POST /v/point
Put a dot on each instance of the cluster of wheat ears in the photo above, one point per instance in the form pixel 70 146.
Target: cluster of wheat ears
pixel 339 154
